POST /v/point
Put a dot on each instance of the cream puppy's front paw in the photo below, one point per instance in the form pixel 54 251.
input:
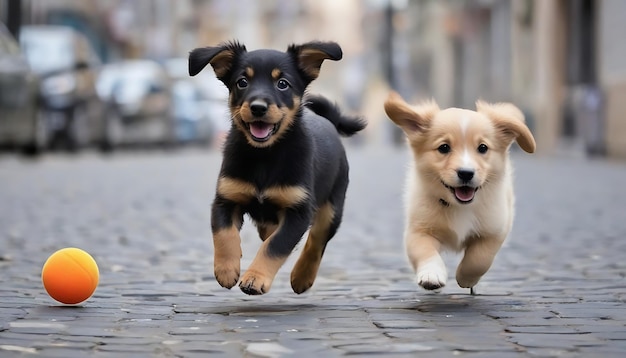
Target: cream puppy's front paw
pixel 432 275
pixel 466 281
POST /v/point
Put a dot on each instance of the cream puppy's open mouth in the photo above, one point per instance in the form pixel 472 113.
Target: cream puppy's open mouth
pixel 464 194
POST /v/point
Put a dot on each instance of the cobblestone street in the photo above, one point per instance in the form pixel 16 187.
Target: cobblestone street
pixel 557 287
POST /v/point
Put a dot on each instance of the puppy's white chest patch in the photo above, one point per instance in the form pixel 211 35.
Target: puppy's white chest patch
pixel 464 224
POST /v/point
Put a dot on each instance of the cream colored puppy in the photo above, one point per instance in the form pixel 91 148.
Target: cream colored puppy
pixel 460 187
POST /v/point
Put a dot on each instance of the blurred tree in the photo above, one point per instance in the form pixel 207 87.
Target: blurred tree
pixel 14 18
pixel 389 64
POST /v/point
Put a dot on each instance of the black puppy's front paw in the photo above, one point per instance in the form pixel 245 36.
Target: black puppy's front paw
pixel 255 283
pixel 304 272
pixel 250 289
pixel 227 275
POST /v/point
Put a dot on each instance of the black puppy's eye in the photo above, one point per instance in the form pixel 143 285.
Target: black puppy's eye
pixel 242 83
pixel 282 84
pixel 444 149
pixel 482 149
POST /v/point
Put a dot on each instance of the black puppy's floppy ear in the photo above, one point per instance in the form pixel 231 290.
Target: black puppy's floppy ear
pixel 220 57
pixel 310 56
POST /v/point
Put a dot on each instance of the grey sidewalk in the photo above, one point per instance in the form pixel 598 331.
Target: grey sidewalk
pixel 556 289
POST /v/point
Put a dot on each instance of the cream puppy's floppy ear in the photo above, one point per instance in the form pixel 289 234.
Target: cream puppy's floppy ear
pixel 509 121
pixel 412 119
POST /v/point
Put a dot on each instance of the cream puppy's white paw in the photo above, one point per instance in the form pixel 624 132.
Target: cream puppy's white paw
pixel 432 275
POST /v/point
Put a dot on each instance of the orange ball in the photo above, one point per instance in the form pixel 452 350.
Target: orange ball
pixel 70 275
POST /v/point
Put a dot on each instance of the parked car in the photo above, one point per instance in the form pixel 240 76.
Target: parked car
pixel 21 124
pixel 67 67
pixel 138 98
pixel 192 121
pixel 208 100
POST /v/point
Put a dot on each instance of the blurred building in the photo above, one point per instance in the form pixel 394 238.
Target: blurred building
pixel 561 61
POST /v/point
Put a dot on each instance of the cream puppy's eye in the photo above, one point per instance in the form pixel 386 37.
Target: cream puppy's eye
pixel 444 149
pixel 482 149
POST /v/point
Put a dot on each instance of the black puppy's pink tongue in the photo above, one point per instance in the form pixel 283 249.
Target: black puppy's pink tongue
pixel 261 129
pixel 464 193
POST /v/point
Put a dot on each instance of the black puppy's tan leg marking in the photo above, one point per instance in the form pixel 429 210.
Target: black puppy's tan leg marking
pixel 265 230
pixel 274 251
pixel 258 278
pixel 227 256
pixel 304 272
pixel 227 221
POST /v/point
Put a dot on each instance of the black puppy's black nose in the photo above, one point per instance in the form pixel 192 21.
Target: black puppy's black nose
pixel 258 108
pixel 465 174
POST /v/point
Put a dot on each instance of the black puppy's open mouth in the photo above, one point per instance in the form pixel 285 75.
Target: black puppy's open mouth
pixel 261 131
pixel 464 194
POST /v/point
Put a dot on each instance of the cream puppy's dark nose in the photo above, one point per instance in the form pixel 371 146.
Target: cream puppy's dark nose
pixel 466 175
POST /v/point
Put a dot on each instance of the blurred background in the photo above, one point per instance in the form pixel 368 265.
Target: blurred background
pixel 109 74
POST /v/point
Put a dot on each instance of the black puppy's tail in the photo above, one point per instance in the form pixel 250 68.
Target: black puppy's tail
pixel 346 125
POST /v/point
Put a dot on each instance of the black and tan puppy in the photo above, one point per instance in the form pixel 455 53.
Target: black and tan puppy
pixel 284 164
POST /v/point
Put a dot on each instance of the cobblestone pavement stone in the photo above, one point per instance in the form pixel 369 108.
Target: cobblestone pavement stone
pixel 557 288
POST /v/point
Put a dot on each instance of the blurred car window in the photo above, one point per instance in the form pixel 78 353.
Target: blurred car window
pixel 47 51
pixel 138 98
